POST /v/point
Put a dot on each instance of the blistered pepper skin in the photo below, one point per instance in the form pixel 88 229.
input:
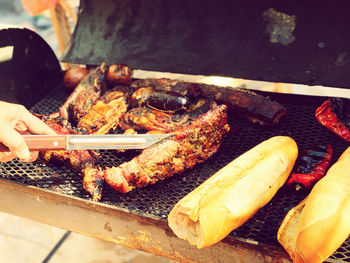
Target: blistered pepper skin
pixel 310 167
pixel 325 116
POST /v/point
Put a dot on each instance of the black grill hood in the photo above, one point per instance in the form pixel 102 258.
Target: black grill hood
pixel 226 38
pixel 32 69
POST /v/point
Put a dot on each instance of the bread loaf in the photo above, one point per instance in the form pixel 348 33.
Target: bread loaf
pixel 316 228
pixel 232 195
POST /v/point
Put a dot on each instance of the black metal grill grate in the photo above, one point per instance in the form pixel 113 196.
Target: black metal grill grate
pixel 157 200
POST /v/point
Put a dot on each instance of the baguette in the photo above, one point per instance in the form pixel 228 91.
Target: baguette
pixel 232 195
pixel 317 227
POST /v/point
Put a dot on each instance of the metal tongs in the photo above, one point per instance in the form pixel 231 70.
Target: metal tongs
pixel 90 142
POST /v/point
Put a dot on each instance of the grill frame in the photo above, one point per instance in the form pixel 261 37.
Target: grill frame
pixel 155 201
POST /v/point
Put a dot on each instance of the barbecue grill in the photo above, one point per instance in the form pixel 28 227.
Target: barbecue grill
pixel 54 194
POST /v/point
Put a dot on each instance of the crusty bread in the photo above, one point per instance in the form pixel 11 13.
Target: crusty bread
pixel 314 229
pixel 232 195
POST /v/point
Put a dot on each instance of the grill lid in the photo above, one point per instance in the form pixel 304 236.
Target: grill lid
pixel 278 41
pixel 27 66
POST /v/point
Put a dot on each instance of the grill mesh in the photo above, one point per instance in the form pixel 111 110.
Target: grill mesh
pixel 157 200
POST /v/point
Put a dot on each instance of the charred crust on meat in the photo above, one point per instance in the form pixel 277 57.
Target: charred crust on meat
pixel 253 106
pixel 189 146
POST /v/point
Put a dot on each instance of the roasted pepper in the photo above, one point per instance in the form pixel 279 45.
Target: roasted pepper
pixel 334 115
pixel 310 167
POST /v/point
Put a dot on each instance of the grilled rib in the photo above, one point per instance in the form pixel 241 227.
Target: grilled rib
pixel 84 95
pixel 106 112
pixel 253 106
pixel 189 146
pixel 145 118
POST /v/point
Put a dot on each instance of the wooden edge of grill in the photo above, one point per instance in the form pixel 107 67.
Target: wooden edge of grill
pixel 114 225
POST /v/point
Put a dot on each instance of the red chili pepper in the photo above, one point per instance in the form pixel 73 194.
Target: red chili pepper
pixel 325 115
pixel 310 167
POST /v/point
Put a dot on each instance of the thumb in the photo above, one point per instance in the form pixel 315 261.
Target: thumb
pixel 14 141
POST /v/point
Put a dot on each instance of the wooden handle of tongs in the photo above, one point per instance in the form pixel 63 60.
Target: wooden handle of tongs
pixel 42 143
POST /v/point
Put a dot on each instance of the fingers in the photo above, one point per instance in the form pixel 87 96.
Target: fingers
pixel 16 119
pixel 14 141
pixel 7 156
pixel 33 156
pixel 35 125
pixel 22 120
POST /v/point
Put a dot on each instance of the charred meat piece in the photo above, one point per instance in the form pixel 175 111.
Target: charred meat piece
pixel 334 114
pixel 255 107
pixel 145 118
pixel 187 89
pixel 189 146
pixel 84 95
pixel 119 74
pixel 167 101
pixel 84 161
pixel 106 112
pixel 58 124
pixel 73 76
pixel 140 96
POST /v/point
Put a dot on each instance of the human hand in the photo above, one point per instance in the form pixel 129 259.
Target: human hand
pixel 15 120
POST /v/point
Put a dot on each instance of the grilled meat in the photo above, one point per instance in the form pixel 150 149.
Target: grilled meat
pixel 73 76
pixel 140 96
pixel 255 107
pixel 84 161
pixel 199 128
pixel 189 146
pixel 190 90
pixel 119 74
pixel 168 101
pixel 106 112
pixel 145 118
pixel 84 95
